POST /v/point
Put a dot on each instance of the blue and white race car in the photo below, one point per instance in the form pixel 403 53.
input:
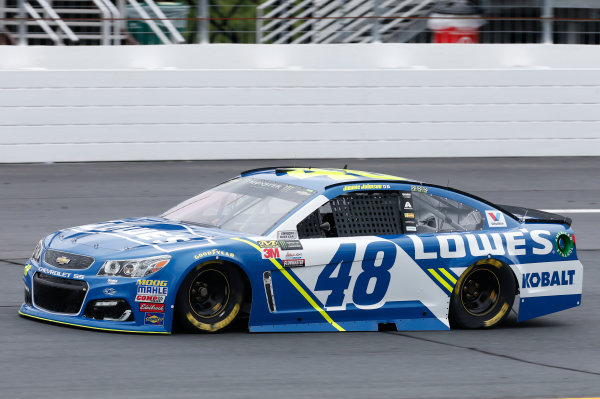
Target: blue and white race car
pixel 306 249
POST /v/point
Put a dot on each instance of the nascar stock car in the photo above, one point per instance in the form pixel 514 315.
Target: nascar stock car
pixel 306 249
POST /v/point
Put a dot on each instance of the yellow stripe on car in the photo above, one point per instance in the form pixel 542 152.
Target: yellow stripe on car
pixel 448 275
pixel 297 286
pixel 440 279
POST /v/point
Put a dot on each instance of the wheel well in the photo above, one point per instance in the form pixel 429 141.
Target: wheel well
pixel 490 261
pixel 242 272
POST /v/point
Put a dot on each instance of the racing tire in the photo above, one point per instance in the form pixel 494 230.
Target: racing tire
pixel 210 298
pixel 483 295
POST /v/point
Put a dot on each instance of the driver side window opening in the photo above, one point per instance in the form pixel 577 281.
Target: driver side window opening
pixel 436 214
pixel 355 214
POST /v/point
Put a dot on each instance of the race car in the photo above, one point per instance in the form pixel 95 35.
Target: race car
pixel 309 249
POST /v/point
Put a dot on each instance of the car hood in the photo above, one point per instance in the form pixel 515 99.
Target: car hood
pixel 152 233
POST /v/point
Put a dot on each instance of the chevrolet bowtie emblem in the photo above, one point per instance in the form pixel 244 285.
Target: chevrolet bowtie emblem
pixel 62 260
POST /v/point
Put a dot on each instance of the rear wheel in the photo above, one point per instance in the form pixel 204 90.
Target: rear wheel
pixel 483 295
pixel 210 297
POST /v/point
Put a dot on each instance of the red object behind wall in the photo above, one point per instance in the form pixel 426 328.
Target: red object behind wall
pixel 456 35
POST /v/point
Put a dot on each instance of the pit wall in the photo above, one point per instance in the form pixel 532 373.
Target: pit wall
pixel 193 102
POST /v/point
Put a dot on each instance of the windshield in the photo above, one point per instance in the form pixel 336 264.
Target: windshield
pixel 245 204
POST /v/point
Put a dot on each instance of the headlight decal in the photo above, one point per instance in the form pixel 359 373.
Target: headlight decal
pixel 134 268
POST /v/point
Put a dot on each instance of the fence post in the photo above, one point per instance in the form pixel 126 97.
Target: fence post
pixel 203 23
pixel 547 24
pixel 375 29
pixel 22 22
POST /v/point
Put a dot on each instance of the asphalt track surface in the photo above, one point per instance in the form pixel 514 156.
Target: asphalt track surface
pixel 552 356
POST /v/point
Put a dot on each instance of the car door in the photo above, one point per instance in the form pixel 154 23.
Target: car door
pixel 349 263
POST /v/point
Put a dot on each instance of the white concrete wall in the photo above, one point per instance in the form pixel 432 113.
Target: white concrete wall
pixel 61 104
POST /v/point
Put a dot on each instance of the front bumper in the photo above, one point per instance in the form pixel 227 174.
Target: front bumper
pixel 48 302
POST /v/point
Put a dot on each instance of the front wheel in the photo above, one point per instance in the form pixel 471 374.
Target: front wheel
pixel 483 295
pixel 210 298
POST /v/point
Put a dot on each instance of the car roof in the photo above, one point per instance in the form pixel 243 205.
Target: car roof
pixel 317 178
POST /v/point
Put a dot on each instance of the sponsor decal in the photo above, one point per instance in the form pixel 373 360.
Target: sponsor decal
pixel 287 235
pixel 153 283
pixel 78 276
pixel 453 245
pixel 268 244
pixel 564 244
pixel 366 186
pixel 153 287
pixel 406 195
pixel 411 228
pixel 153 290
pixel 152 307
pixel 109 291
pixel 419 189
pixel 150 298
pixel 293 262
pixel 292 245
pixel 270 253
pixel 293 255
pixel 495 219
pixel 112 281
pixel 547 279
pixel 407 205
pixel 63 260
pixel 214 252
pixel 54 272
pixel 27 268
pixel 409 215
pixel 154 319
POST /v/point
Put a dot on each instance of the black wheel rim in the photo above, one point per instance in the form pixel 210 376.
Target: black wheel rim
pixel 209 293
pixel 480 292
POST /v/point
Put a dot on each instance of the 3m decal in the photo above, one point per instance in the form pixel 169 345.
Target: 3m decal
pixel 154 319
pixel 495 219
pixel 547 279
pixel 152 307
pixel 339 282
pixel 287 235
pixel 150 298
pixel 270 253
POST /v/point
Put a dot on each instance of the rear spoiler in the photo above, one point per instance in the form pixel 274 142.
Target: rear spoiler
pixel 527 215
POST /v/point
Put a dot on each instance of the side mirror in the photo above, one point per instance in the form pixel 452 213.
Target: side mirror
pixel 325 226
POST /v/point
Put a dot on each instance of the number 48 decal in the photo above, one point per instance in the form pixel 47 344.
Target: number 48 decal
pixel 339 284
